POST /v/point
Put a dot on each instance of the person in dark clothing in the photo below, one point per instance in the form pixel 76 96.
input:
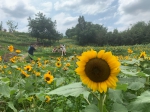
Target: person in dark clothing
pixel 31 50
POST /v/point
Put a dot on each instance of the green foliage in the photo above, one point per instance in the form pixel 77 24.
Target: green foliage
pixel 91 108
pixel 43 28
pixel 88 33
pixel 66 92
pixel 141 104
pixel 11 26
pixel 74 89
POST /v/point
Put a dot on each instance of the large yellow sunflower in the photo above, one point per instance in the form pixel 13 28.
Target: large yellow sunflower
pixel 48 78
pixel 98 70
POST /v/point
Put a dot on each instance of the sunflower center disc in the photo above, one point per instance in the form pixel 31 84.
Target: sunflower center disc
pixel 97 70
pixel 47 78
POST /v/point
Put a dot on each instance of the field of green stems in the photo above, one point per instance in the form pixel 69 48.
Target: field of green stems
pixel 86 79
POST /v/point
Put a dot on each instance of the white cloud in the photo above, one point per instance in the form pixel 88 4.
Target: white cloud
pixel 83 7
pixel 132 11
pixel 16 8
pixel 65 21
pixel 47 6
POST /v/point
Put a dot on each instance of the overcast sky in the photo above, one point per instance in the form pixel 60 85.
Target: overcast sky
pixel 112 14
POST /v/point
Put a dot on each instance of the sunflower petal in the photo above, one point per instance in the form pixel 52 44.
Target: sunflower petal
pixel 104 86
pixel 100 53
pixel 99 88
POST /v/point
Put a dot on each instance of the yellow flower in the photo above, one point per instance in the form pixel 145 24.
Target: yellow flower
pixel 18 68
pixel 48 78
pixel 37 74
pixel 47 99
pixel 46 61
pixel 5 66
pixel 98 70
pixel 68 64
pixel 59 59
pixel 24 73
pixel 130 51
pixel 12 60
pixel 28 68
pixel 0 58
pixel 30 98
pixel 1 67
pixel 39 64
pixel 18 51
pixel 9 72
pixel 58 64
pixel 142 55
pixel 65 68
pixel 11 48
pixel 49 72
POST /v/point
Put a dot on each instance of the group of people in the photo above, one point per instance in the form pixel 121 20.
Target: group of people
pixel 61 49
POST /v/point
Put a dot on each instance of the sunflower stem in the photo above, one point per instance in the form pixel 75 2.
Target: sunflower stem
pixel 101 102
pixel 95 95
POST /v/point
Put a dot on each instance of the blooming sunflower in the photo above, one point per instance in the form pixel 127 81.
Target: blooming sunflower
pixel 142 55
pixel 11 48
pixel 98 70
pixel 47 99
pixel 48 78
pixel 65 68
pixel 28 67
pixel 130 51
pixel 24 73
pixel 68 64
pixel 0 58
pixel 58 64
pixel 18 51
pixel 37 74
pixel 12 60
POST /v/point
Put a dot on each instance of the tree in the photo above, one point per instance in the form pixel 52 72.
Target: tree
pixel 11 26
pixel 43 28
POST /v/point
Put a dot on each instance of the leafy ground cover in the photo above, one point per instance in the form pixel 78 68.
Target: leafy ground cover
pixel 50 83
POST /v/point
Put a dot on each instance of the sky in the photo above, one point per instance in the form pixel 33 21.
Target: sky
pixel 112 14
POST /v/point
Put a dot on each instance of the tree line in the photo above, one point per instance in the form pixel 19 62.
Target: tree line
pixel 40 27
pixel 87 33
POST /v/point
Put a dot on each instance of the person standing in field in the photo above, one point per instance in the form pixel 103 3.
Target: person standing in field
pixel 31 50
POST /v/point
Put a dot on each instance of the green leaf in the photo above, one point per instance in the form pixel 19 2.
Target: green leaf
pixel 5 90
pixel 141 74
pixel 11 105
pixel 91 108
pixel 122 86
pixel 115 95
pixel 41 96
pixel 141 104
pixel 74 89
pixel 59 81
pixel 119 108
pixel 58 110
pixel 147 71
pixel 14 66
pixel 135 85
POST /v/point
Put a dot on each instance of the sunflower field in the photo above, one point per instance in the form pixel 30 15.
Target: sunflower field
pixel 87 79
